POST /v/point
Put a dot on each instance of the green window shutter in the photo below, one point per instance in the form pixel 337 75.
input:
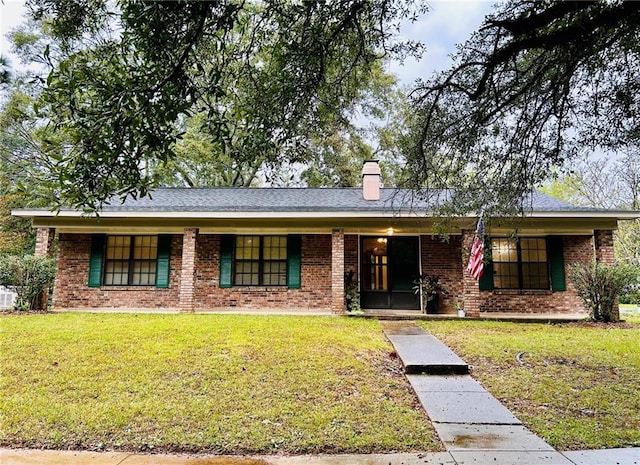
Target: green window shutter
pixel 294 268
pixel 162 262
pixel 485 283
pixel 555 253
pixel 226 261
pixel 96 260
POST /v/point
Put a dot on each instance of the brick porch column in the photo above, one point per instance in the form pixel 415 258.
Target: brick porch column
pixel 337 271
pixel 44 241
pixel 470 287
pixel 603 245
pixel 44 248
pixel 187 275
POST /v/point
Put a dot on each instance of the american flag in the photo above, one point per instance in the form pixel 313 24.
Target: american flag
pixel 476 259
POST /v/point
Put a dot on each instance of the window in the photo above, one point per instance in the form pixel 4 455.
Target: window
pixel 260 261
pixel 130 260
pixel 520 264
pixel 375 264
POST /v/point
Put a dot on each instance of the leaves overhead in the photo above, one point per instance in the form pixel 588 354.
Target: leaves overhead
pixel 603 183
pixel 535 85
pixel 261 72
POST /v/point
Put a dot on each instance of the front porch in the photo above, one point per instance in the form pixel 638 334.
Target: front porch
pixel 389 314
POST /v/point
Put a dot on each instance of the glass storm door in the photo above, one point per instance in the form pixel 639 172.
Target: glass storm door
pixel 389 265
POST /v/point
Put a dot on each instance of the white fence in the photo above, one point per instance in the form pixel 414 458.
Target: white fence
pixel 7 298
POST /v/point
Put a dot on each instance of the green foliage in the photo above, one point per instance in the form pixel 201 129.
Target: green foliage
pixel 21 170
pixel 604 183
pixel 5 74
pixel 427 286
pixel 260 73
pixel 352 293
pixel 631 298
pixel 329 154
pixel 29 276
pixel 17 237
pixel 599 286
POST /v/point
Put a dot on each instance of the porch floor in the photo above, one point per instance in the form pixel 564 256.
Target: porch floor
pixel 393 314
pixel 380 314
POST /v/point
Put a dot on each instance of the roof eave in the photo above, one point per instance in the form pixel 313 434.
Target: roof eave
pixel 386 213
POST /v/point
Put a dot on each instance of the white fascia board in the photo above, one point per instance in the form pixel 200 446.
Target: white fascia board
pixel 615 214
pixel 219 215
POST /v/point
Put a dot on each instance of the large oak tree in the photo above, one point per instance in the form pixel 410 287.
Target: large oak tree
pixel 260 75
pixel 537 84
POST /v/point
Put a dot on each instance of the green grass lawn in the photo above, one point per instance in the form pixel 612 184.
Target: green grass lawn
pixel 578 387
pixel 204 383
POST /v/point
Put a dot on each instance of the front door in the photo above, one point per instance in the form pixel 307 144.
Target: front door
pixel 389 265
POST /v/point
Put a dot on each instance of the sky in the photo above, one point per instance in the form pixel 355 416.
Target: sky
pixel 447 23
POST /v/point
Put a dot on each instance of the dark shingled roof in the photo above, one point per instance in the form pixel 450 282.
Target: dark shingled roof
pixel 230 199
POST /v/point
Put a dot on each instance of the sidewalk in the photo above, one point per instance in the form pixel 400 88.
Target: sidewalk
pixel 474 426
pixel 36 457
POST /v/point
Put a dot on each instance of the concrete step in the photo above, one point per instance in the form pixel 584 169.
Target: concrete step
pixel 422 353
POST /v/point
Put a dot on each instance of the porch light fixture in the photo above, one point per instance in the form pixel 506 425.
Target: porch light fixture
pixel 390 231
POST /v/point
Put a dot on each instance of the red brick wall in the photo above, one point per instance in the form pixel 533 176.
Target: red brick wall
pixel 71 288
pixel 187 275
pixel 44 241
pixel 443 258
pixel 338 304
pixel 604 247
pixel 576 249
pixel 351 254
pixel 314 294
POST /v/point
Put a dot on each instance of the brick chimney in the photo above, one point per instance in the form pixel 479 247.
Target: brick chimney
pixel 371 180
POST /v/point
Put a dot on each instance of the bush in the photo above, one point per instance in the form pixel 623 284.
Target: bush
pixel 29 277
pixel 633 298
pixel 351 293
pixel 599 285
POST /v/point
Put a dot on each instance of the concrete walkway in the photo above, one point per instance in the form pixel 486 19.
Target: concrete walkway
pixel 474 427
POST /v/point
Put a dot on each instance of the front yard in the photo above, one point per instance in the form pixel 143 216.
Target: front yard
pixel 575 385
pixel 204 383
pixel 281 384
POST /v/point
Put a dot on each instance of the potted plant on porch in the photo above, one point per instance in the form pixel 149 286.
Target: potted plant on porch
pixel 352 294
pixel 429 288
